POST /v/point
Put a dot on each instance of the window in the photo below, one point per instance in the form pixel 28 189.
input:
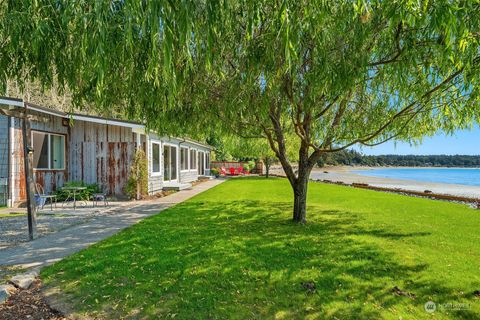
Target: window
pixel 207 160
pixel 48 151
pixel 193 159
pixel 155 157
pixel 57 151
pixel 183 158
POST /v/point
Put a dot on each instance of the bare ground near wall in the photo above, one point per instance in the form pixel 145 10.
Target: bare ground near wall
pixel 28 304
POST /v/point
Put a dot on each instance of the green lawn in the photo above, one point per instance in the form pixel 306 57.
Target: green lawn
pixel 232 253
pixel 10 215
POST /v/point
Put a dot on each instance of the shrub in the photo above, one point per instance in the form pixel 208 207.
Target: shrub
pixel 86 194
pixel 215 172
pixel 137 184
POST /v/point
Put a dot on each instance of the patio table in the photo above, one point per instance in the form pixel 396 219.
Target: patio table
pixel 72 195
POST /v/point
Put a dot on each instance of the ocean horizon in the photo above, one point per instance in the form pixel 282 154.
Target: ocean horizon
pixel 463 176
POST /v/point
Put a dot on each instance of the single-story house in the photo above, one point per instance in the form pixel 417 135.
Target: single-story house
pixel 76 147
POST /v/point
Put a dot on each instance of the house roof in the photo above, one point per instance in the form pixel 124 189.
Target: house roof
pixel 135 126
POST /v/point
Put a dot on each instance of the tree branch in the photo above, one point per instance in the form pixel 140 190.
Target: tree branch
pixel 399 114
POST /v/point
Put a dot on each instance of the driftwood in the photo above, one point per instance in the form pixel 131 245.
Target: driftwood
pixel 421 194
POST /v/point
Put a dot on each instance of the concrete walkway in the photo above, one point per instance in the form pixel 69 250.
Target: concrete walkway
pixel 55 246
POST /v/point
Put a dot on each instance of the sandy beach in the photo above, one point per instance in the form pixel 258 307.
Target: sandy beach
pixel 345 175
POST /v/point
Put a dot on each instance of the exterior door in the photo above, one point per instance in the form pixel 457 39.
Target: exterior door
pixel 169 163
pixel 201 163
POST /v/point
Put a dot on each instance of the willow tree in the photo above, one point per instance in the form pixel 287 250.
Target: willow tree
pixel 332 73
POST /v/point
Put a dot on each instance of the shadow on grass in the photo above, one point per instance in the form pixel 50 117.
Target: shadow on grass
pixel 208 260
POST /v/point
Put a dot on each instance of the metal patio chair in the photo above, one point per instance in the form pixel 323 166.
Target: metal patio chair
pixel 41 197
pixel 100 197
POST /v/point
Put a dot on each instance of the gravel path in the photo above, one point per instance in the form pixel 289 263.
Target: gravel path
pixel 14 230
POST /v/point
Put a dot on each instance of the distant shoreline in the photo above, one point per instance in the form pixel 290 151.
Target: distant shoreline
pixel 346 175
pixel 353 167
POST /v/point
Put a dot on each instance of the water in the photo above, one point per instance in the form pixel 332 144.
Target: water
pixel 469 177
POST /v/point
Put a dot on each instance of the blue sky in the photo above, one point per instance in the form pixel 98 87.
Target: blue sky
pixel 463 142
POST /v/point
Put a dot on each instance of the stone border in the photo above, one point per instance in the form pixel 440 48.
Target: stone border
pixel 19 281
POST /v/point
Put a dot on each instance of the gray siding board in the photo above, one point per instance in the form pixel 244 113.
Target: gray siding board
pixel 188 176
pixel 4 156
pixel 95 153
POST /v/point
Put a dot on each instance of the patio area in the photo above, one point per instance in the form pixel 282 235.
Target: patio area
pixel 14 227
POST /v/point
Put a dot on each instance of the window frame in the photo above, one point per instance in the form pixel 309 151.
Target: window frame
pixel 160 154
pixel 207 163
pixel 195 159
pixel 177 166
pixel 187 167
pixel 48 134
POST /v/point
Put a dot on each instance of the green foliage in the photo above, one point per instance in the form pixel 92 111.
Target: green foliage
pixel 220 151
pixel 310 73
pixel 86 194
pixel 255 148
pixel 228 253
pixel 137 184
pixel 239 55
pixel 215 172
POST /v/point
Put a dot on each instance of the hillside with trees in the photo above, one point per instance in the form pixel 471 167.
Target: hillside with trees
pixel 353 157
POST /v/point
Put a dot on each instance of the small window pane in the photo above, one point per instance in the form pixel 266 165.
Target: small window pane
pixel 184 158
pixel 155 157
pixel 57 152
pixel 193 159
pixel 173 163
pixel 40 150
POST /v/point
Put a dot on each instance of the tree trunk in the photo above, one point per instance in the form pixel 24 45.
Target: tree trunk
pixel 267 168
pixel 300 200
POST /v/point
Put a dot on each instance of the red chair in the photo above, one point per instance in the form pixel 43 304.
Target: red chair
pixel 223 171
pixel 240 170
pixel 232 171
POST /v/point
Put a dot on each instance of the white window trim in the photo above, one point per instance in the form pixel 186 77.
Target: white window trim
pixel 206 153
pixel 48 134
pixel 195 163
pixel 188 159
pixel 177 162
pixel 159 143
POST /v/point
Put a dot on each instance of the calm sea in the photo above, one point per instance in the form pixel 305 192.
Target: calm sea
pixel 469 177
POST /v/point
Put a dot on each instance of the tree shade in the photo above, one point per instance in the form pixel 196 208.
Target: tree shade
pixel 332 73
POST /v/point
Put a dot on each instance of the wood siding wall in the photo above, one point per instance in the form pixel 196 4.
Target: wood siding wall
pixel 101 154
pixel 95 153
pixel 4 156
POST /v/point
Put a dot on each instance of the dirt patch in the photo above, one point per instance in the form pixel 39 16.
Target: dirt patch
pixel 28 304
pixel 157 195
pixel 6 272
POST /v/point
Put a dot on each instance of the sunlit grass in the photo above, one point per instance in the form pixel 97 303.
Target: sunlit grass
pixel 232 253
pixel 11 215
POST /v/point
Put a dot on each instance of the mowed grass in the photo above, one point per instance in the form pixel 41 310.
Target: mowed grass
pixel 232 253
pixel 11 215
